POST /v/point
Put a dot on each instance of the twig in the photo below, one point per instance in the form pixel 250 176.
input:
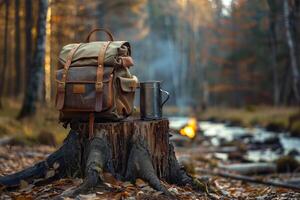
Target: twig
pixel 249 179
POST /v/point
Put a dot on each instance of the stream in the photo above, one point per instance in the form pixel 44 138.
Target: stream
pixel 264 145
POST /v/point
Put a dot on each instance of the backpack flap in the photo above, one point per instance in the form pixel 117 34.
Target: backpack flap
pixel 87 54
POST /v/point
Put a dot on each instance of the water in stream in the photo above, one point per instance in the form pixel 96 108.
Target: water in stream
pixel 277 144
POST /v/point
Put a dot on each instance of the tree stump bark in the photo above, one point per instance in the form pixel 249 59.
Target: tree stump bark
pixel 128 150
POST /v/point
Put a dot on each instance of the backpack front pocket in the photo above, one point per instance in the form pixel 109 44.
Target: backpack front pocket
pixel 80 92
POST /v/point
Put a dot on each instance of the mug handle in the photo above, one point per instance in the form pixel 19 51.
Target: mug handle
pixel 168 96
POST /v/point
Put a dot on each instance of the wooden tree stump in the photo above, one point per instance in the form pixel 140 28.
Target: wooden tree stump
pixel 128 150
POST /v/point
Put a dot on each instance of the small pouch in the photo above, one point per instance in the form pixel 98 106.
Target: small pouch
pixel 128 84
pixel 127 87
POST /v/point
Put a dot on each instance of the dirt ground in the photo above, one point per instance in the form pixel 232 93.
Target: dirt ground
pixel 15 158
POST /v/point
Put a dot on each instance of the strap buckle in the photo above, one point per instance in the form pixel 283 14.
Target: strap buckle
pixel 99 86
pixel 61 86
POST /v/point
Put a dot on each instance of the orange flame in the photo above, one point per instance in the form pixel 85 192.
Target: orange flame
pixel 190 129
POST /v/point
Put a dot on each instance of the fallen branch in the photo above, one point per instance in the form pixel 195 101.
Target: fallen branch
pixel 5 140
pixel 251 168
pixel 249 179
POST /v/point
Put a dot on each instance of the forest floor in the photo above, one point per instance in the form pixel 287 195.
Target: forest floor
pixel 15 158
pixel 23 143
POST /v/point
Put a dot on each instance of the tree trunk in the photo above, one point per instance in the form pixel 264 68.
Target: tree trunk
pixel 1 3
pixel 297 28
pixel 128 150
pixel 5 50
pixel 292 51
pixel 273 44
pixel 18 81
pixel 28 40
pixel 35 81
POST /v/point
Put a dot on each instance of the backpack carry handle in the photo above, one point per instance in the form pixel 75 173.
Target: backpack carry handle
pixel 108 33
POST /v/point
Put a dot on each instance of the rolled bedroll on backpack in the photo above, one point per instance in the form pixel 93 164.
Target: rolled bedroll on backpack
pixel 117 54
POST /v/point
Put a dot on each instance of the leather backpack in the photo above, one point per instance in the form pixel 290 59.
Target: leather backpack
pixel 94 82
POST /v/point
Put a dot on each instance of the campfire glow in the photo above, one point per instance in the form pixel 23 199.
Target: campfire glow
pixel 190 129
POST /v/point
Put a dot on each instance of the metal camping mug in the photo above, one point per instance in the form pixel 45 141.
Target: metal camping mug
pixel 151 102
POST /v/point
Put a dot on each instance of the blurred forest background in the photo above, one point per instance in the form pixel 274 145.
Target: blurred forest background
pixel 207 52
pixel 233 65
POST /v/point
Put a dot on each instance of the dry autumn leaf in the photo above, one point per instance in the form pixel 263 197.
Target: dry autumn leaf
pixel 23 184
pixel 50 174
pixel 140 183
pixel 109 178
pixel 56 165
pixel 127 184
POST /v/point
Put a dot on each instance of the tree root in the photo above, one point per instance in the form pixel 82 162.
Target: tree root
pixel 98 155
pixel 140 166
pixel 177 174
pixel 63 161
pixel 88 159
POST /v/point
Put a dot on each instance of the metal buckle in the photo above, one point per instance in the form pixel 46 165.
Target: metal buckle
pixel 99 86
pixel 61 86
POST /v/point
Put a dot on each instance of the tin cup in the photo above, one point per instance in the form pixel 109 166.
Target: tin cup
pixel 151 102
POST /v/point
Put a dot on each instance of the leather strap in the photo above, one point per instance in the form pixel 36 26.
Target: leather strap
pixel 61 88
pixel 109 34
pixel 126 61
pixel 99 79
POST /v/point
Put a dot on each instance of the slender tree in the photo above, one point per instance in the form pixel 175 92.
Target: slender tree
pixel 5 50
pixel 274 52
pixel 1 2
pixel 18 81
pixel 292 50
pixel 35 80
pixel 28 38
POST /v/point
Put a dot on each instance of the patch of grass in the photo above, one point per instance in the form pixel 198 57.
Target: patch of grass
pixel 29 130
pixel 295 129
pixel 254 116
pixel 272 118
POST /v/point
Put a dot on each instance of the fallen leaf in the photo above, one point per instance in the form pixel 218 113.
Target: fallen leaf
pixel 140 183
pixel 87 196
pixel 23 184
pixel 127 184
pixel 173 190
pixel 109 178
pixel 50 174
pixel 157 193
pixel 147 189
pixel 99 193
pixel 56 165
pixel 140 193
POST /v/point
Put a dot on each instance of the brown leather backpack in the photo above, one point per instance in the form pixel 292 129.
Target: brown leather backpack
pixel 94 82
